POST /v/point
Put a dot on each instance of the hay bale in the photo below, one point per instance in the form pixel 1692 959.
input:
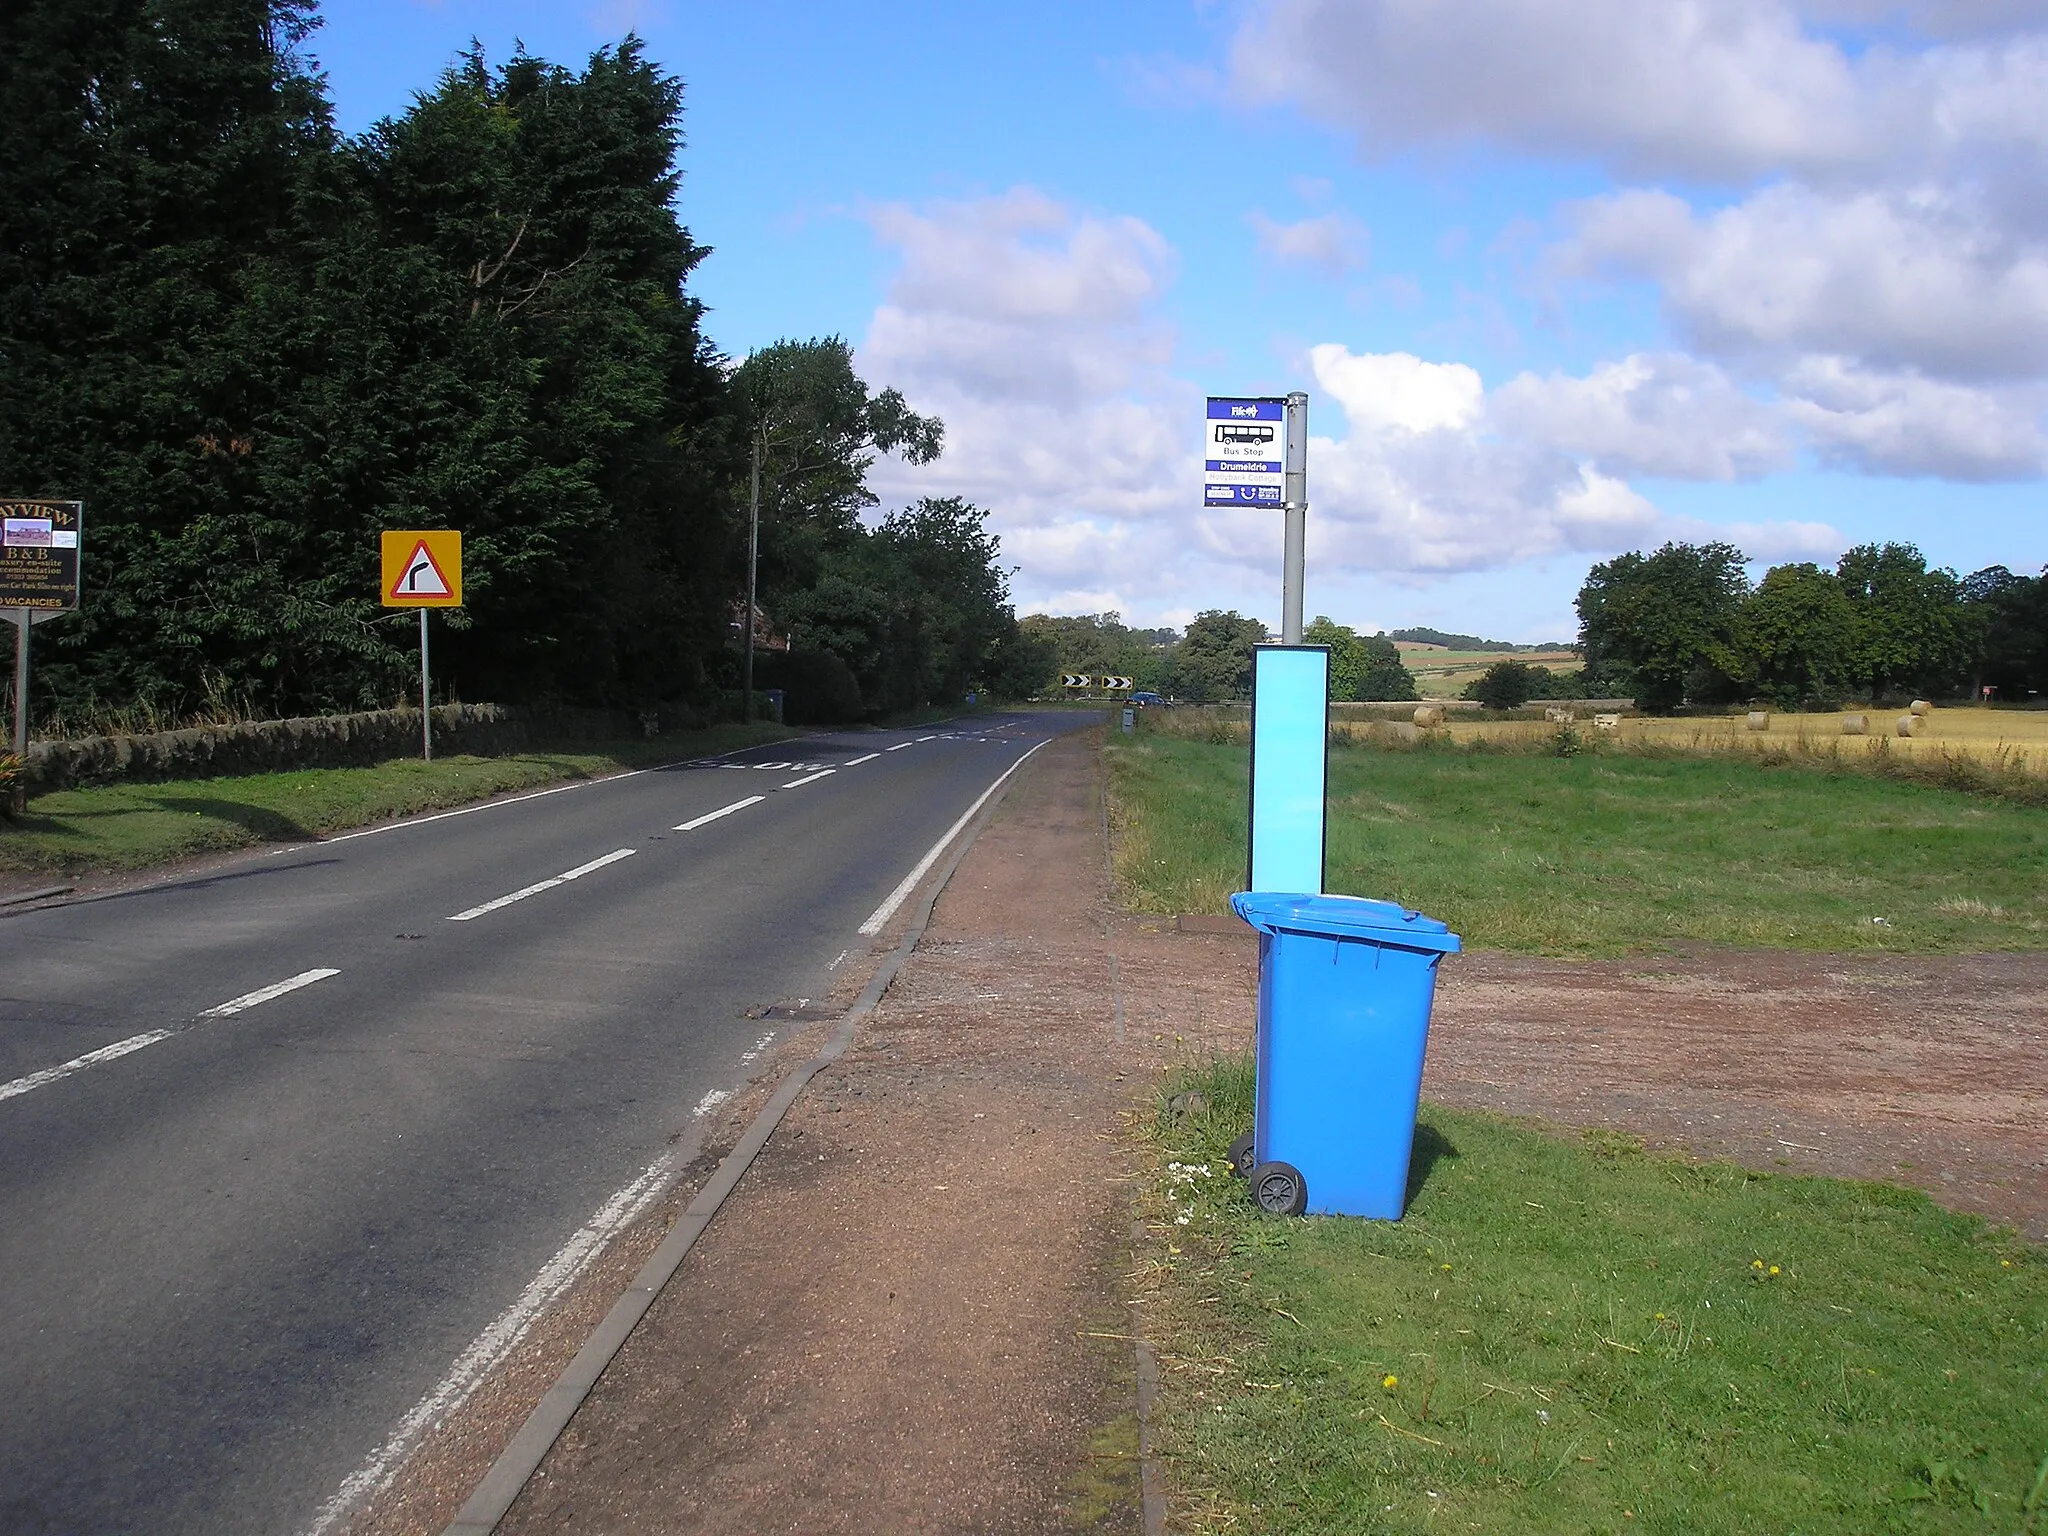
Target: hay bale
pixel 1428 716
pixel 1558 716
pixel 1607 722
pixel 1759 720
pixel 1922 707
pixel 1855 725
pixel 1911 725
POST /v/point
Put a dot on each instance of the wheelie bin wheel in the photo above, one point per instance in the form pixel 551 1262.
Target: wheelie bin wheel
pixel 1279 1189
pixel 1241 1156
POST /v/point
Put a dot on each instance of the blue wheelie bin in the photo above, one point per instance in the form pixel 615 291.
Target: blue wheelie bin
pixel 1345 987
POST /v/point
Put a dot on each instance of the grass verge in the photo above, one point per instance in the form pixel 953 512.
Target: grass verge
pixel 1575 1336
pixel 1603 854
pixel 130 826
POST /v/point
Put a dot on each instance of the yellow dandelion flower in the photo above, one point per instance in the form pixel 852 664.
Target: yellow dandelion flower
pixel 1774 1269
pixel 1756 1263
pixel 1390 1382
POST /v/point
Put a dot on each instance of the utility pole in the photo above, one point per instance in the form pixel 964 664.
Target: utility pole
pixel 1296 504
pixel 753 560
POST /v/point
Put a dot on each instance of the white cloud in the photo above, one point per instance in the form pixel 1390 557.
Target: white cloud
pixel 1922 280
pixel 1031 328
pixel 1729 90
pixel 1903 424
pixel 1651 414
pixel 1333 243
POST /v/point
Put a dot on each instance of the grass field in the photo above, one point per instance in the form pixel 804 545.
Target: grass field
pixel 1604 854
pixel 128 826
pixel 1444 673
pixel 2014 738
pixel 1569 1336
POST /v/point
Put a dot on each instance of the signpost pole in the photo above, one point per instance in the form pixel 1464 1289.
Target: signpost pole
pixel 19 797
pixel 753 562
pixel 426 700
pixel 1296 553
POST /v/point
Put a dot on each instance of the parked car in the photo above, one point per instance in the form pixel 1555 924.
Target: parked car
pixel 1146 700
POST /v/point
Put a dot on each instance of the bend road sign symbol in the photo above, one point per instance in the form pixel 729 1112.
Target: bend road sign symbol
pixel 1074 679
pixel 1116 682
pixel 422 568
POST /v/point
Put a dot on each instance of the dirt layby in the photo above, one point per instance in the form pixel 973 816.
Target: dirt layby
pixel 918 1312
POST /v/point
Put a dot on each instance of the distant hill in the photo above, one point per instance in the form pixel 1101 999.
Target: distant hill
pixel 1470 642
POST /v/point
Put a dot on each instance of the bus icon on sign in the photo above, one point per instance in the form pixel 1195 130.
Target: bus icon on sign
pixel 1243 432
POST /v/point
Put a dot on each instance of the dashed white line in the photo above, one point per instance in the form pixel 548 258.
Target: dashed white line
pixel 134 1043
pixel 112 1052
pixel 544 885
pixel 709 1102
pixel 900 746
pixel 823 773
pixel 711 816
pixel 235 1005
pixel 855 762
pixel 760 1045
pixel 881 915
pixel 927 738
pixel 583 869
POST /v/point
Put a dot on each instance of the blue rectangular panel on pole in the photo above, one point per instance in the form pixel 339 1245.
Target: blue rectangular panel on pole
pixel 1290 764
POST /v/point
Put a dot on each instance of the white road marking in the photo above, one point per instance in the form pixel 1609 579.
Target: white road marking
pixel 112 1052
pixel 881 915
pixel 709 1102
pixel 134 1043
pixel 496 1342
pixel 760 1045
pixel 772 767
pixel 900 746
pixel 927 738
pixel 236 1005
pixel 824 773
pixel 840 960
pixel 611 858
pixel 711 816
pixel 544 885
pixel 855 762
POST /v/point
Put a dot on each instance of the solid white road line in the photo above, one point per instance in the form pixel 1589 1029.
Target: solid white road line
pixel 112 1052
pixel 235 1005
pixel 544 885
pixel 900 746
pixel 881 915
pixel 855 762
pixel 496 1342
pixel 799 783
pixel 723 810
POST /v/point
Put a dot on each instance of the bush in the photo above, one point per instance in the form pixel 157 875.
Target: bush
pixel 1506 685
pixel 817 687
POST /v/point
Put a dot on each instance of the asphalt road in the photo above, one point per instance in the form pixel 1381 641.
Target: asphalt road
pixel 254 1228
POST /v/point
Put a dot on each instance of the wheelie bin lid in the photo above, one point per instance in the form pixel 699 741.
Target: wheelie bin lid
pixel 1344 917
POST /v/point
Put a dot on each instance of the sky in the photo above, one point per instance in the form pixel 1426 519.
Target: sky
pixel 1561 278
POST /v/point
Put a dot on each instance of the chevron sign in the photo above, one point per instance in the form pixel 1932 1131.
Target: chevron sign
pixel 1116 682
pixel 1075 679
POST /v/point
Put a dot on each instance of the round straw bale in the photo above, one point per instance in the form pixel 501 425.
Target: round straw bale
pixel 1911 725
pixel 1855 725
pixel 1759 720
pixel 1922 707
pixel 1428 716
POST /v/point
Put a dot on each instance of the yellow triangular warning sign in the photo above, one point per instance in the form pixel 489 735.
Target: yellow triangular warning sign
pixel 421 576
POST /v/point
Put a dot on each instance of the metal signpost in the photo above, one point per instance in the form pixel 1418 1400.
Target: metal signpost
pixel 1256 455
pixel 422 568
pixel 39 557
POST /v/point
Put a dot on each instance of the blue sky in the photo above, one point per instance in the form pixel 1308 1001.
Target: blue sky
pixel 1562 277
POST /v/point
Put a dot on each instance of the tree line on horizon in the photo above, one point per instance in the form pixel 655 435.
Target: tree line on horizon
pixel 1683 626
pixel 249 343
